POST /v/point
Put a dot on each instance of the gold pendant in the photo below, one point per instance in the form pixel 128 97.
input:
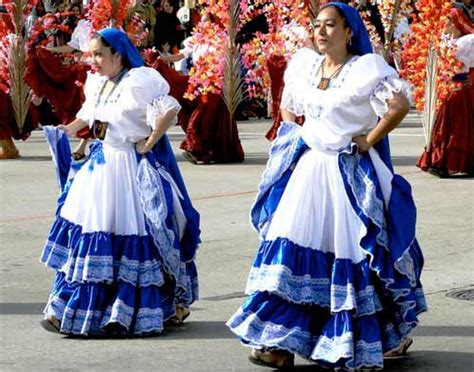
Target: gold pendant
pixel 324 83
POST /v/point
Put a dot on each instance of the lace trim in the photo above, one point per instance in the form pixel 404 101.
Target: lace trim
pixel 297 289
pixel 257 333
pixel 365 193
pixel 291 103
pixel 153 200
pixel 305 289
pixel 384 92
pixel 94 269
pixel 159 107
pixel 334 349
pixel 406 266
pixel 78 321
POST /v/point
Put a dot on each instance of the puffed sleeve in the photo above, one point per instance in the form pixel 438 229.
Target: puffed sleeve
pixel 293 100
pixel 81 36
pixel 465 52
pixel 146 89
pixel 91 88
pixel 372 78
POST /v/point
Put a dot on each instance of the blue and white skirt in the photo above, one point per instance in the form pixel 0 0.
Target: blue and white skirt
pixel 315 287
pixel 113 275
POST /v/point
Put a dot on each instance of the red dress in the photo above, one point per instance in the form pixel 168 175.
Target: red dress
pixel 452 149
pixel 60 84
pixel 210 134
pixel 276 69
pixel 8 125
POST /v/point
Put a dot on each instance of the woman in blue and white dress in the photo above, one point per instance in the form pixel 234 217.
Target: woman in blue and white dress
pixel 336 276
pixel 125 234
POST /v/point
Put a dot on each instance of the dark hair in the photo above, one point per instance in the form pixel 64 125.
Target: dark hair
pixel 344 19
pixel 98 36
pixel 339 11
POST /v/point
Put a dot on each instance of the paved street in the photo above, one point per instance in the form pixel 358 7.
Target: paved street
pixel 223 195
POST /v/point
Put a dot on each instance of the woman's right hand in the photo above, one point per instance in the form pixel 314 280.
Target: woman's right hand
pixel 66 129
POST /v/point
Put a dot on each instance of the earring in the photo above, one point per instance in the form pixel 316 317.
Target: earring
pixel 350 41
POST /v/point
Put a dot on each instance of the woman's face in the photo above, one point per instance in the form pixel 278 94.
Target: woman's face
pixel 330 34
pixel 103 61
pixel 167 7
pixel 76 10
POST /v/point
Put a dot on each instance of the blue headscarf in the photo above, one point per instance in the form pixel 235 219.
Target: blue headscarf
pixel 360 41
pixel 122 44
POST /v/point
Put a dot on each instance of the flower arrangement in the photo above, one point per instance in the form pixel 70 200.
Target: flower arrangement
pixel 5 46
pixel 288 21
pixel 108 13
pixel 427 34
pixel 210 38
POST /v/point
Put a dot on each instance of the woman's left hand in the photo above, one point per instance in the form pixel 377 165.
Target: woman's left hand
pixel 142 147
pixel 361 141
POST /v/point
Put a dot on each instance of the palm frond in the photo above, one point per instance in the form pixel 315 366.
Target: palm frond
pixel 431 87
pixel 232 91
pixel 19 91
pixel 391 30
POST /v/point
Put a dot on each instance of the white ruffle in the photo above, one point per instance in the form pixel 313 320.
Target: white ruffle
pixel 384 92
pixel 293 97
pixel 465 51
pixel 365 75
pixel 159 107
pixel 91 90
pixel 141 86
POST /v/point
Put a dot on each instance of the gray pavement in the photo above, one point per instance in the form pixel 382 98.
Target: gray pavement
pixel 223 195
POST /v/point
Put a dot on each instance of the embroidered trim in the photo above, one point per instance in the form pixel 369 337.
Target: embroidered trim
pixel 280 280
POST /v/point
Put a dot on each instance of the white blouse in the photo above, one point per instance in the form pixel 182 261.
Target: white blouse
pixel 349 107
pixel 132 107
pixel 465 52
pixel 81 36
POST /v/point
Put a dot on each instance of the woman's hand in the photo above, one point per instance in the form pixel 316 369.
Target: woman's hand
pixel 142 147
pixel 361 141
pixel 66 129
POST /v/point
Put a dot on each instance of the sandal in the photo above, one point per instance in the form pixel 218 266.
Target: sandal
pixel 400 351
pixel 188 155
pixel 51 324
pixel 275 358
pixel 182 313
pixel 76 155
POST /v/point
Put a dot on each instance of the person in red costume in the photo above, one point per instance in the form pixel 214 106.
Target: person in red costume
pixel 211 135
pixel 452 145
pixel 61 83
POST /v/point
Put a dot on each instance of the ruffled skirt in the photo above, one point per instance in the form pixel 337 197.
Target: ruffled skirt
pixel 112 276
pixel 314 289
